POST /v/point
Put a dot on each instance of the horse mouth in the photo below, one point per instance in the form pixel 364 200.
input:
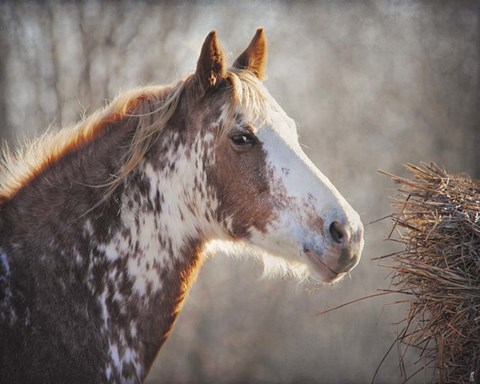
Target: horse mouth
pixel 322 271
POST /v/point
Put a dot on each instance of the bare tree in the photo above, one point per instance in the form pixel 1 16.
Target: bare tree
pixel 4 54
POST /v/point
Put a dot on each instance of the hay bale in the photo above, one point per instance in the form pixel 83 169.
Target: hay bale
pixel 437 218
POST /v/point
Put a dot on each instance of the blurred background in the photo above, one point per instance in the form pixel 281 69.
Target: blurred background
pixel 372 85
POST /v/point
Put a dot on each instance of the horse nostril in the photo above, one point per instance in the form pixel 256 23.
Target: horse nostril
pixel 338 232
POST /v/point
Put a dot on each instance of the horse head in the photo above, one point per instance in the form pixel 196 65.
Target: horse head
pixel 266 191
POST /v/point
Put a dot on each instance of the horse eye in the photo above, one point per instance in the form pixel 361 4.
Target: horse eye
pixel 242 139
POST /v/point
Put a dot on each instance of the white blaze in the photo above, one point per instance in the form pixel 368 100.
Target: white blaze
pixel 311 200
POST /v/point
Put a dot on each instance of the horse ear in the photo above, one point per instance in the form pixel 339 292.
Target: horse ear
pixel 254 58
pixel 211 63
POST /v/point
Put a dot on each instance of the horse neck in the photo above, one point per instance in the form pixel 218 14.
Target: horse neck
pixel 166 214
pixel 138 252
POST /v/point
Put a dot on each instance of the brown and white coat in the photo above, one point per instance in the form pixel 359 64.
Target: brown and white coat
pixel 103 232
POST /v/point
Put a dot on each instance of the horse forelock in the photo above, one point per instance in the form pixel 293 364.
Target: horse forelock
pixel 249 100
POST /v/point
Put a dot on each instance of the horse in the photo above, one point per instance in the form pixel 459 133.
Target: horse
pixel 104 225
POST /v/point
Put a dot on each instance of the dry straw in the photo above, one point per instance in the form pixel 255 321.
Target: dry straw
pixel 437 218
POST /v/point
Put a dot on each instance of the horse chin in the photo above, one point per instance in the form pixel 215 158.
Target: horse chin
pixel 320 271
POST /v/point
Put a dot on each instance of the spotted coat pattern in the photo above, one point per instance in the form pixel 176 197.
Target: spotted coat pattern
pixel 90 287
pixel 106 286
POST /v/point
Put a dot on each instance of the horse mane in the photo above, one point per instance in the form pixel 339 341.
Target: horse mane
pixel 21 165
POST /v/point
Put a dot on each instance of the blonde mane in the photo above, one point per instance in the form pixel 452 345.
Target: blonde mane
pixel 19 166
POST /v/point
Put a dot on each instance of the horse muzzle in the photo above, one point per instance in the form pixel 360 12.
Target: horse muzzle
pixel 342 253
